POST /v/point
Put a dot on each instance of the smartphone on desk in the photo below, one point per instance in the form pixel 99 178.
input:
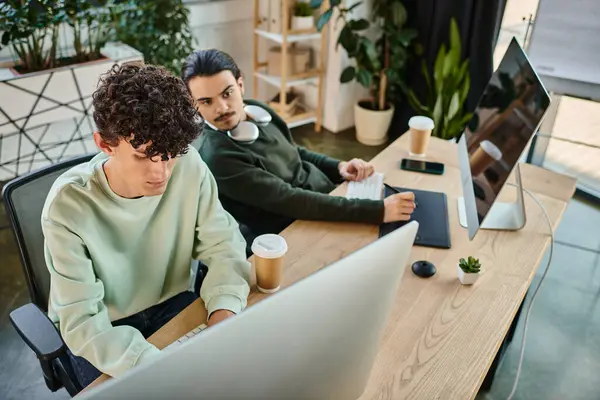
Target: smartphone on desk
pixel 427 167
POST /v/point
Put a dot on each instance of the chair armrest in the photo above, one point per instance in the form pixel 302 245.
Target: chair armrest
pixel 36 329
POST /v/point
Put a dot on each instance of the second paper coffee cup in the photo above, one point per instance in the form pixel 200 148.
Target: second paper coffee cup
pixel 269 251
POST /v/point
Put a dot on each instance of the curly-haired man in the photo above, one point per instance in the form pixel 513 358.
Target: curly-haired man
pixel 120 231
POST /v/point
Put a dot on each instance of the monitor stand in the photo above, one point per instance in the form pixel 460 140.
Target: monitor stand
pixel 501 216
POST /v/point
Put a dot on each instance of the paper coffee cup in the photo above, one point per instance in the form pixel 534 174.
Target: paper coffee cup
pixel 269 251
pixel 483 157
pixel 420 128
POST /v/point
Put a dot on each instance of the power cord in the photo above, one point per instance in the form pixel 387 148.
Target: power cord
pixel 514 388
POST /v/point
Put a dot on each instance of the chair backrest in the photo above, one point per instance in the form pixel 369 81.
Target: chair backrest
pixel 24 198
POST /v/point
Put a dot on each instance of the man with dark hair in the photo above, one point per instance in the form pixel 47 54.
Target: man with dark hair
pixel 121 230
pixel 271 182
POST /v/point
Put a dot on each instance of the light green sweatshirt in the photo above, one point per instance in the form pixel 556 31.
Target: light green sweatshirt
pixel 111 257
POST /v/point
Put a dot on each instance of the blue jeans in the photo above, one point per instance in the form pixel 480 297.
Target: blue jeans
pixel 147 322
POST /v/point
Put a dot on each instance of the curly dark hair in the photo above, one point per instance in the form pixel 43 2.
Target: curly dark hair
pixel 142 103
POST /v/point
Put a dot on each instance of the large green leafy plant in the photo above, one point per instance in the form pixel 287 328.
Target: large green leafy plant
pixel 31 29
pixel 159 29
pixel 91 21
pixel 447 89
pixel 379 65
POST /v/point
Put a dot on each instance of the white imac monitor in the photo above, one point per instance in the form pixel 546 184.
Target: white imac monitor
pixel 507 117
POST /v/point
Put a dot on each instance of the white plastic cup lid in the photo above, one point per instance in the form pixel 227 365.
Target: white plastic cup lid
pixel 421 123
pixel 269 246
pixel 491 149
pixel 244 132
pixel 258 114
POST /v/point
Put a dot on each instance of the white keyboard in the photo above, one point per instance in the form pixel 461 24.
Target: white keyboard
pixel 186 337
pixel 370 188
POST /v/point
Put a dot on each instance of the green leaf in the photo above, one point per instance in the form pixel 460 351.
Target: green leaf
pixel 425 72
pixel 455 46
pixel 364 78
pixel 398 13
pixel 324 19
pixel 372 53
pixel 452 58
pixel 348 74
pixel 416 104
pixel 463 70
pixel 335 3
pixel 359 24
pixel 347 40
pixel 437 113
pixel 5 38
pixel 438 69
pixel 464 92
pixel 456 127
pixel 466 119
pixel 454 106
pixel 449 63
pixel 406 36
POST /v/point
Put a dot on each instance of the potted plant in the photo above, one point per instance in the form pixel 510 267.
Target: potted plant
pixel 468 270
pixel 447 89
pixel 31 28
pixel 379 65
pixel 45 91
pixel 159 29
pixel 303 17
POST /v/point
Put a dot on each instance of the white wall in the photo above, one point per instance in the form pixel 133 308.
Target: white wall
pixel 226 25
pixel 339 99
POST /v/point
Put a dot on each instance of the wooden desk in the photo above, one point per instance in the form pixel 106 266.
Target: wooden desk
pixel 442 336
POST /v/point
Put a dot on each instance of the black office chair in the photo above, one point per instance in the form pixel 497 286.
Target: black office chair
pixel 24 199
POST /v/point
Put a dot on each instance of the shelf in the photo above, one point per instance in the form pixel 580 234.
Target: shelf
pixel 302 118
pixel 292 36
pixel 293 80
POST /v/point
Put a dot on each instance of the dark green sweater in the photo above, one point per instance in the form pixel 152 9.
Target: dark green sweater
pixel 269 183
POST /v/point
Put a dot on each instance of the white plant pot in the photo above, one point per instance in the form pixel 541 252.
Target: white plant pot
pixel 372 125
pixel 46 116
pixel 467 279
pixel 302 23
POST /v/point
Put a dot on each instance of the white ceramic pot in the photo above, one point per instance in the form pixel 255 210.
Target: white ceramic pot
pixel 302 23
pixel 467 279
pixel 372 125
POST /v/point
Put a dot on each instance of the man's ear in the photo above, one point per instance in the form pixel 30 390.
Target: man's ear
pixel 102 145
pixel 240 83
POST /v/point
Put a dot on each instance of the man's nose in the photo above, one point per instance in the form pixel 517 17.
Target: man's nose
pixel 222 106
pixel 159 168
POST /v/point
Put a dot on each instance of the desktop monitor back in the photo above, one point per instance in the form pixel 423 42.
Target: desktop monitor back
pixel 505 120
pixel 316 339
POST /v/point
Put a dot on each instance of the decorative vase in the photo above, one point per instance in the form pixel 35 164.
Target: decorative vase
pixel 467 279
pixel 372 125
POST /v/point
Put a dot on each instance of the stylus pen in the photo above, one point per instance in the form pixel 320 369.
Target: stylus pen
pixel 397 191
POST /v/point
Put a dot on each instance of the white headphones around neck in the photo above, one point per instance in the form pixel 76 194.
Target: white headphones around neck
pixel 247 131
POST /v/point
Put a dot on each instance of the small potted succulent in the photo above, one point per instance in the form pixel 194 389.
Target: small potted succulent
pixel 468 270
pixel 303 17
